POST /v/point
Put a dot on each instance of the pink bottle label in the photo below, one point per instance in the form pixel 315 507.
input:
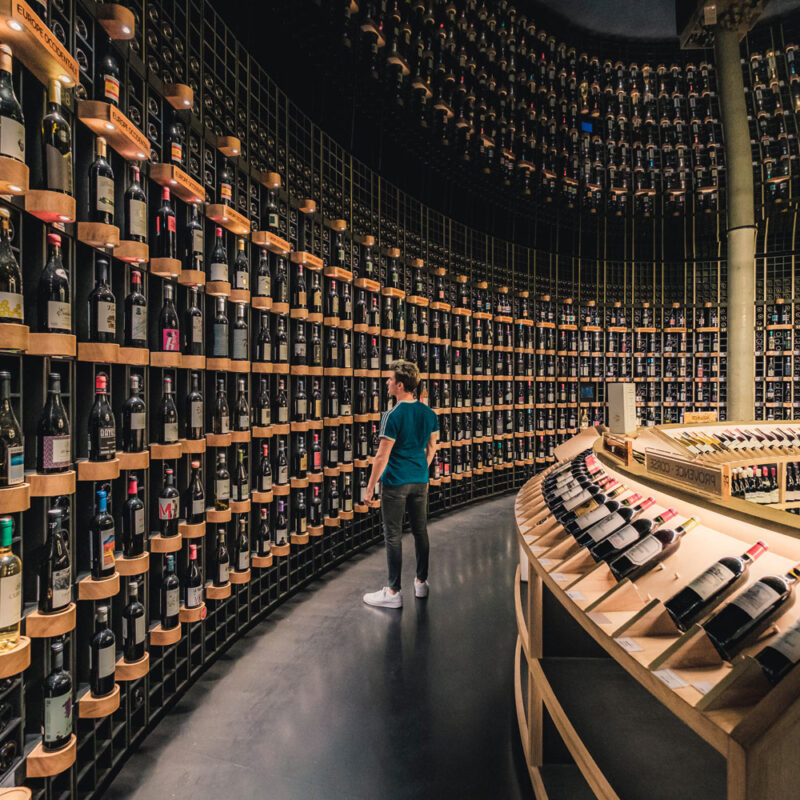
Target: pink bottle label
pixel 170 341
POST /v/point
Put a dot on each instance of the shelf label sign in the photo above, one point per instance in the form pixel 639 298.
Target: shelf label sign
pixel 696 476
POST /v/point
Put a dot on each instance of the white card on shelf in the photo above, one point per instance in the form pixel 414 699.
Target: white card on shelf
pixel 574 595
pixel 559 576
pixel 670 678
pixel 704 687
pixel 628 644
pixel 598 617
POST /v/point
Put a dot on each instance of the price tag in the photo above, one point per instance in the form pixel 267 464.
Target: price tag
pixel 574 594
pixel 559 576
pixel 628 644
pixel 670 678
pixel 598 617
pixel 545 562
pixel 704 687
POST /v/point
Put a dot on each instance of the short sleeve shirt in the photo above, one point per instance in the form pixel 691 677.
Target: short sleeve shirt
pixel 409 424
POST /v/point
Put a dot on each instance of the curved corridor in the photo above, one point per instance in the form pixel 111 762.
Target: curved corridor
pixel 330 698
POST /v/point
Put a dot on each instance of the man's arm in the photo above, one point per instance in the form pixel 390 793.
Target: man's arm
pixel 430 448
pixel 378 466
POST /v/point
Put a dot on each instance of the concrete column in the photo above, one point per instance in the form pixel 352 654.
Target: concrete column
pixel 741 227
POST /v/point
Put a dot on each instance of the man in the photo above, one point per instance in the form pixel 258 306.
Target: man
pixel 407 445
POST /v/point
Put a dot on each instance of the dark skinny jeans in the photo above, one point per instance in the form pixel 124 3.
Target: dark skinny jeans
pixel 394 501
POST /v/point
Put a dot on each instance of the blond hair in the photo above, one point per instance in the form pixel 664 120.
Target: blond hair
pixel 407 373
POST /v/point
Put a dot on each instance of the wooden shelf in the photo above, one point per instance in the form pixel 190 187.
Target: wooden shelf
pixel 91 707
pixel 195 531
pixel 197 614
pixel 281 550
pixel 192 277
pixel 100 353
pixel 241 367
pixel 309 260
pixel 45 626
pixel 132 670
pixel 13 176
pixel 52 485
pixel 165 544
pixel 240 577
pixel 98 470
pixel 229 146
pixel 134 356
pixel 316 530
pixel 193 362
pixel 239 506
pixel 34 45
pixel 136 565
pixel 50 206
pixel 132 252
pixel 122 135
pixel 133 461
pixel 12 662
pixel 116 20
pixel 261 303
pixel 180 184
pixel 299 538
pixel 163 452
pixel 52 344
pixel 191 446
pixel 90 589
pixel 218 288
pixel 179 96
pixel 214 516
pixel 262 497
pixel 41 764
pixel 218 592
pixel 15 793
pixel 98 235
pixel 218 439
pixel 165 267
pixel 170 359
pixel 271 242
pixel 163 638
pixel 229 218
pixel 15 498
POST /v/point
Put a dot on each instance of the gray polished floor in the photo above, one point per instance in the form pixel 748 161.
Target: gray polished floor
pixel 329 698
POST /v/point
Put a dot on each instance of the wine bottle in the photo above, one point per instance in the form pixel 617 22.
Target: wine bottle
pixel 134 626
pixel 316 455
pixel 133 521
pixel 299 293
pixel 57 705
pixel 264 341
pixel 263 409
pixel 315 508
pixel 781 654
pixel 617 516
pixel 226 179
pixel 195 497
pixel 263 275
pixel 167 415
pixel 169 338
pixel 241 416
pixel 175 142
pixel 240 340
pixel 281 349
pixel 11 305
pixel 333 400
pixel 222 483
pixel 300 458
pixel 194 409
pixel 170 595
pixel 108 75
pixel 193 591
pixel 347 494
pixel 263 543
pixel 299 517
pixel 281 524
pixel 53 440
pixel 219 343
pixel 220 417
pixel 101 540
pixel 282 472
pixel 741 622
pixel 649 551
pixel 54 298
pixel 241 267
pixel 102 656
pixel 135 204
pixel 101 186
pixel 134 418
pixel 240 486
pixel 193 326
pixel 711 587
pixel 221 560
pixel 10 588
pixel 102 429
pixel 102 306
pixel 168 505
pixel 333 498
pixel 264 475
pixel 315 299
pixel 193 256
pixel 12 123
pixel 56 144
pixel 165 245
pixel 55 573
pixel 281 403
pixel 315 410
pixel 300 402
pixel 316 347
pixel 242 550
pixel 612 546
pixel 136 313
pixel 218 259
pixel 299 345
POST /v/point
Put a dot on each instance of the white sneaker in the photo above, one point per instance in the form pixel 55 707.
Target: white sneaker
pixel 384 598
pixel 421 589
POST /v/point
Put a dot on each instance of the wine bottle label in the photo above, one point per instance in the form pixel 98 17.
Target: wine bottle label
pixel 138 420
pixel 244 561
pixel 176 152
pixel 263 286
pixel 302 523
pixel 283 414
pixel 222 488
pixel 348 504
pixel 239 344
pixel 111 88
pixel 170 432
pixel 107 558
pixel 106 317
pixel 347 456
pixel 713 579
pixel 194 596
pixel 167 507
pixel 280 535
pixel 756 600
pixel 137 218
pixel 303 462
pixel 106 663
pixel 59 169
pixel 197 330
pixel 220 346
pixel 240 492
pixel 302 406
pixel 62 588
pixel 223 573
pixel 595 515
pixel 196 414
pixel 10 600
pixel 170 340
pixel 219 271
pixel 107 440
pixel 12 138
pixel 265 483
pixel 56 451
pixel 198 242
pixel 334 503
pixel 11 305
pixel 16 465
pixel 138 521
pixel 198 506
pixel 300 349
pixel 224 423
pixel 283 474
pixel 225 191
pixel 244 421
pixel 283 351
pixel 58 717
pixel 173 602
pixel 105 194
pixel 272 220
pixel 139 629
pixel 605 527
pixel 139 323
pixel 241 279
pixel 788 643
pixel 59 315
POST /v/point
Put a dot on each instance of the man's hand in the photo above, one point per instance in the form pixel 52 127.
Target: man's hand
pixel 372 501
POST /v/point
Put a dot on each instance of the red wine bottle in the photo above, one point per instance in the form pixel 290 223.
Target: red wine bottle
pixel 135 209
pixel 134 417
pixel 53 440
pixel 170 595
pixel 218 260
pixel 649 551
pixel 11 305
pixel 221 559
pixel 101 540
pixel 169 338
pixel 55 574
pixel 742 621
pixel 168 505
pixel 582 500
pixel 612 521
pixel 133 521
pixel 167 415
pixel 242 549
pixel 781 654
pixel 102 429
pixel 102 307
pixel 194 506
pixel 263 543
pixel 57 706
pixel 133 625
pixel 101 186
pixel 136 313
pixel 165 228
pixel 193 325
pixel 264 474
pixel 194 410
pixel 193 585
pixel 612 546
pixel 594 510
pixel 711 587
pixel 54 299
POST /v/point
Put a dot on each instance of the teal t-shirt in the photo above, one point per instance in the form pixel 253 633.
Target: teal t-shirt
pixel 410 424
